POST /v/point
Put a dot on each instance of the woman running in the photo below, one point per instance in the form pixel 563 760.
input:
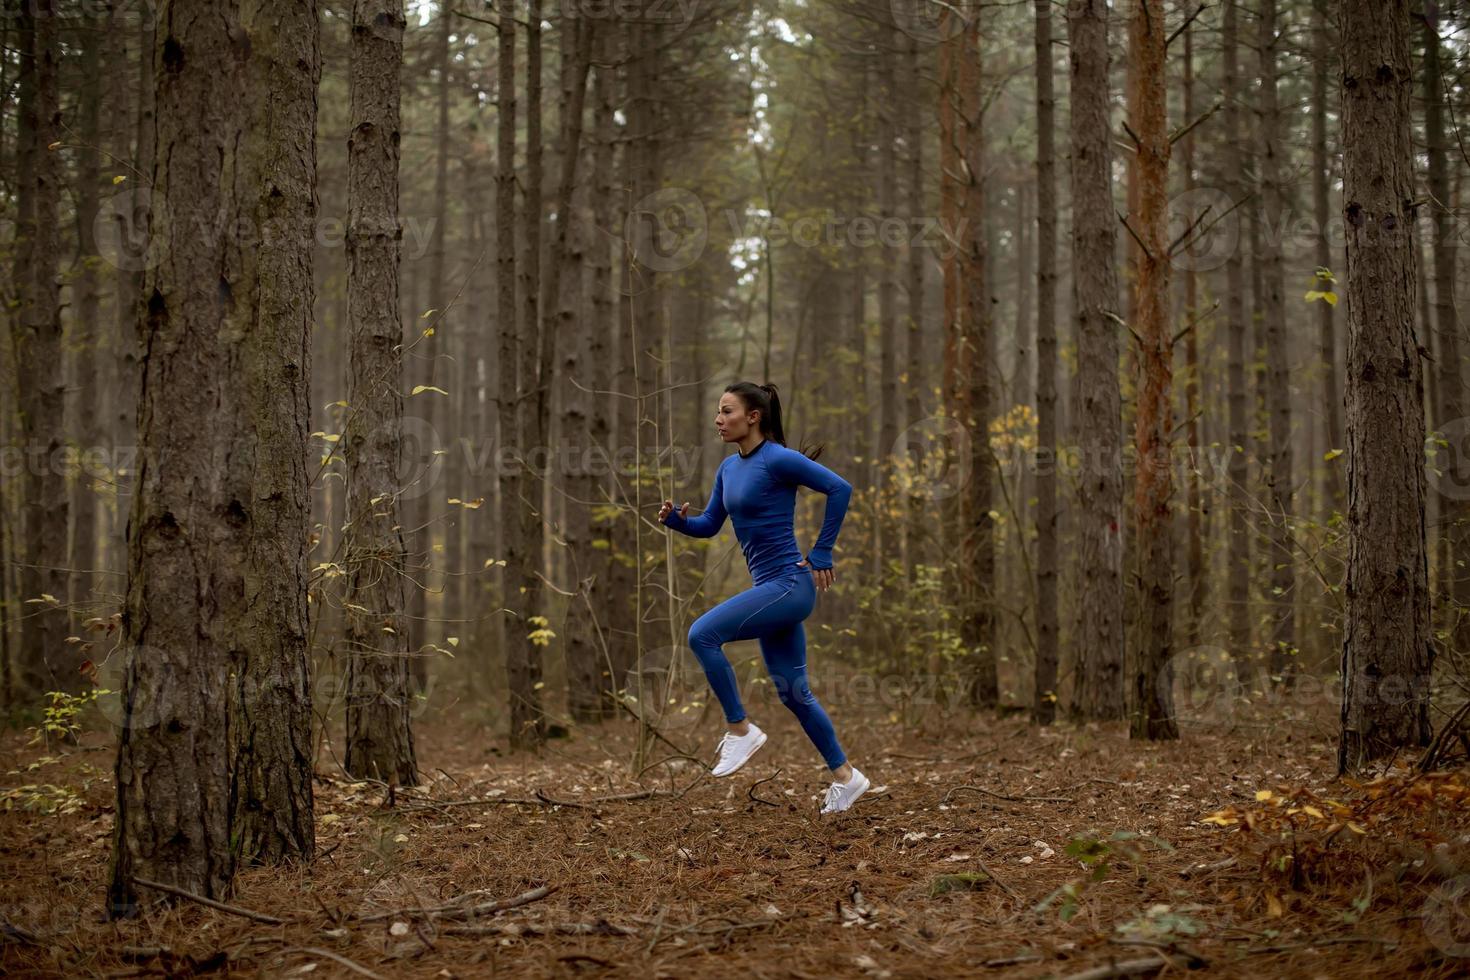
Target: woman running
pixel 757 489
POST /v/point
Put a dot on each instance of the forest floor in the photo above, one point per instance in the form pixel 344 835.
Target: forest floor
pixel 987 848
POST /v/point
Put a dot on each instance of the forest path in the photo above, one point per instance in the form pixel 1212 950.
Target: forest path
pixel 741 876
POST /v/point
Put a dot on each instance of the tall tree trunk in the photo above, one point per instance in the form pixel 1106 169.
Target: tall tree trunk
pixel 1454 508
pixel 915 382
pixel 1097 686
pixel 428 516
pixel 527 723
pixel 888 533
pixel 1192 323
pixel 380 741
pixel 564 291
pixel 272 764
pixel 1323 61
pixel 1238 549
pixel 1044 708
pixel 189 528
pixel 1151 714
pixel 977 541
pixel 601 486
pixel 86 338
pixel 1387 654
pixel 1281 597
pixel 45 661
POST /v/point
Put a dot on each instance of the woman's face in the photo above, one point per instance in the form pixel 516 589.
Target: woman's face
pixel 733 420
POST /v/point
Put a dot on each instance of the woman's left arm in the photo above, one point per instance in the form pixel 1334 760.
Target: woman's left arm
pixel 797 468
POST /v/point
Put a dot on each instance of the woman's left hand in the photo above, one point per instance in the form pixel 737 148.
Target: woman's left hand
pixel 821 577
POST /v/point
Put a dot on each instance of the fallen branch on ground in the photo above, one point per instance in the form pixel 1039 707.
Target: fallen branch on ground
pixel 1009 799
pixel 269 920
pixel 457 909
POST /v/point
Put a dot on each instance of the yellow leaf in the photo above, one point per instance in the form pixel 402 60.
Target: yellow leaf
pixel 1262 795
pixel 1331 454
pixel 426 314
pixel 452 640
pixel 119 179
pixel 1312 811
pixel 1274 908
pixel 420 389
pixel 1356 828
pixel 52 146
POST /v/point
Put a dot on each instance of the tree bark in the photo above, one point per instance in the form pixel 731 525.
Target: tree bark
pixel 1151 714
pixel 190 528
pixel 45 662
pixel 1281 588
pixel 1454 508
pixel 1238 549
pixel 1387 654
pixel 1097 687
pixel 272 765
pixel 380 742
pixel 1044 707
pixel 1323 61
pixel 977 541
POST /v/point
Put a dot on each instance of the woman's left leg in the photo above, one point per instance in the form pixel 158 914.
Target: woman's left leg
pixel 784 650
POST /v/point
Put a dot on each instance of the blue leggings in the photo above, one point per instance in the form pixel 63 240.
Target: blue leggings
pixel 771 612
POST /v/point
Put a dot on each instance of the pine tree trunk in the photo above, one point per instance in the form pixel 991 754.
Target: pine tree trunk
pixel 45 662
pixel 1193 322
pixel 601 485
pixel 190 525
pixel 1044 708
pixel 564 292
pixel 1238 560
pixel 86 338
pixel 1281 583
pixel 977 541
pixel 380 741
pixel 272 764
pixel 1387 654
pixel 1454 511
pixel 1323 62
pixel 1151 714
pixel 1097 687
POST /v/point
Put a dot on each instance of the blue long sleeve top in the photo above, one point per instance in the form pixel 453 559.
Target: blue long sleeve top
pixel 758 493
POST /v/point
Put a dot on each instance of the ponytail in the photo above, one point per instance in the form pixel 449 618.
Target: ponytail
pixel 767 400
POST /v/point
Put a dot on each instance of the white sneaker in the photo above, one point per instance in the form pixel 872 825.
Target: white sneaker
pixel 736 750
pixel 840 796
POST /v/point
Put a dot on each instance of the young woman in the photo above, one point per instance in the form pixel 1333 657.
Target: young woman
pixel 757 489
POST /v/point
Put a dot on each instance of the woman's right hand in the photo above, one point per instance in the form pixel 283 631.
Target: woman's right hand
pixel 667 508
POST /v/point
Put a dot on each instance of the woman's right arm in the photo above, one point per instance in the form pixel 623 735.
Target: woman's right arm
pixel 707 524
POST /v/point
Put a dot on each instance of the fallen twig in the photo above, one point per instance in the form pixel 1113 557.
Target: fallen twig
pixel 337 957
pixel 1015 960
pixel 1122 968
pixel 1009 799
pixel 599 928
pixel 457 909
pixel 269 920
pixel 750 793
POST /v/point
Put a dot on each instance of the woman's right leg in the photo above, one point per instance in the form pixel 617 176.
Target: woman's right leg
pixel 737 618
